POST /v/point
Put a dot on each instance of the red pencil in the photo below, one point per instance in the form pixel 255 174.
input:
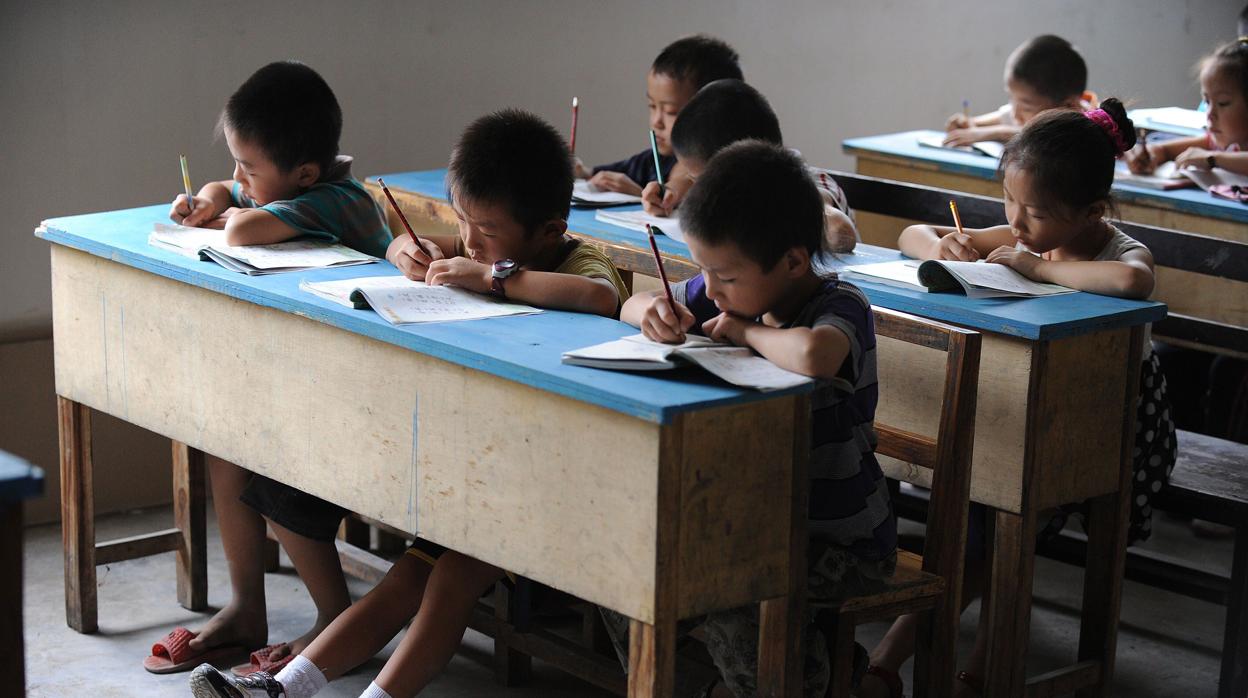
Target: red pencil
pixel 658 260
pixel 575 108
pixel 395 205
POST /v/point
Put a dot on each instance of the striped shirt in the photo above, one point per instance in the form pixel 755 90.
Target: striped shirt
pixel 849 502
pixel 338 209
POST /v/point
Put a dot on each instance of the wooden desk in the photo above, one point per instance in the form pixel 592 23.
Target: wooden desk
pixel 658 498
pixel 1056 377
pixel 19 481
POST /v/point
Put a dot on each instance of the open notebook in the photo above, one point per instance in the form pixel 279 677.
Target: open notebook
pixel 292 255
pixel 637 220
pixel 587 195
pixel 737 365
pixel 992 149
pixel 975 279
pixel 1165 177
pixel 401 301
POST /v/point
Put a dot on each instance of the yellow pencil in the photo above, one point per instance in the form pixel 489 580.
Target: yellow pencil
pixel 186 182
pixel 957 220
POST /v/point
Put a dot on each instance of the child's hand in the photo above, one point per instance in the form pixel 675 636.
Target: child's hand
pixel 727 327
pixel 957 121
pixel 1195 158
pixel 461 272
pixel 413 260
pixel 955 247
pixel 615 181
pixel 660 324
pixel 578 169
pixel 1021 261
pixel 193 212
pixel 1140 160
pixel 838 230
pixel 656 206
pixel 965 136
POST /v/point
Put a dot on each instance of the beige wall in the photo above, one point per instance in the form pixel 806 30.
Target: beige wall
pixel 98 99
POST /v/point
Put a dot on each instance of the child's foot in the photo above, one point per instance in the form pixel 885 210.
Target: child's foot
pixel 208 682
pixel 881 683
pixel 968 685
pixel 274 657
pixel 232 626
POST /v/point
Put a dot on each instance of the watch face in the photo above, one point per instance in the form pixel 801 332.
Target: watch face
pixel 504 267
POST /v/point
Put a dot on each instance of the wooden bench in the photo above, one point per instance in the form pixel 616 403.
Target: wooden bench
pixel 1210 479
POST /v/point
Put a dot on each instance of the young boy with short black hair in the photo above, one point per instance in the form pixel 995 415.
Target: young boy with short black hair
pixel 1045 72
pixel 679 71
pixel 753 222
pixel 282 128
pixel 510 181
pixel 725 112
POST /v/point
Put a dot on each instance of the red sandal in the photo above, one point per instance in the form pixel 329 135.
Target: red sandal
pixel 172 653
pixel 260 661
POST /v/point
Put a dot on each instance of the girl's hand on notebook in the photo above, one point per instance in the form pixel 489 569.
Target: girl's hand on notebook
pixel 1021 261
pixel 461 272
pixel 615 181
pixel 660 324
pixel 727 327
pixel 1195 158
pixel 956 247
pixel 1141 159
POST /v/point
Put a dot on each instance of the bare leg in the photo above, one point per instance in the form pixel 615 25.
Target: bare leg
pixel 244 619
pixel 363 630
pixel 454 586
pixel 318 566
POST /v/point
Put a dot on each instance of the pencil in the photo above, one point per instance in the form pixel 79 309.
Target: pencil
pixel 966 111
pixel 186 182
pixel 658 170
pixel 658 261
pixel 575 109
pixel 395 205
pixel 957 220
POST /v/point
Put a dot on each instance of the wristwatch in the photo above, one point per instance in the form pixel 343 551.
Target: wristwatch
pixel 503 268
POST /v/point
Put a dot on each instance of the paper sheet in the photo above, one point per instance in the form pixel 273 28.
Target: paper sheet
pixel 637 220
pixel 416 302
pixel 742 367
pixel 583 191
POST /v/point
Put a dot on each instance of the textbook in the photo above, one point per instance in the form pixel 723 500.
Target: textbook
pixel 1207 179
pixel 992 149
pixel 587 195
pixel 401 301
pixel 1164 178
pixel 736 365
pixel 292 255
pixel 1188 122
pixel 975 279
pixel 637 220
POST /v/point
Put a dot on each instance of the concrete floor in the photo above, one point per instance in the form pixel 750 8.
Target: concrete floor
pixel 1168 645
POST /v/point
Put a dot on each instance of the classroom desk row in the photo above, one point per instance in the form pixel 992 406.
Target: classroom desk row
pixel 1056 375
pixel 377 418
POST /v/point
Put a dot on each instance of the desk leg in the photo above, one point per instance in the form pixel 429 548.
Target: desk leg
pixel 1009 605
pixel 1234 680
pixel 13 658
pixel 189 498
pixel 77 514
pixel 651 659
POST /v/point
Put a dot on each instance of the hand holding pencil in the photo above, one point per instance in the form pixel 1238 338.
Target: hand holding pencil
pixel 664 320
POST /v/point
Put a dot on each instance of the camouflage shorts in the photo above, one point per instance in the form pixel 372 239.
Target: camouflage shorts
pixel 833 574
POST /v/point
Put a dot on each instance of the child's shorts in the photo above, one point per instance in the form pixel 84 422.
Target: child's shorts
pixel 292 509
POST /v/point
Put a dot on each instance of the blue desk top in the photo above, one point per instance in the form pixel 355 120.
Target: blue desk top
pixel 906 145
pixel 525 349
pixel 18 479
pixel 1032 318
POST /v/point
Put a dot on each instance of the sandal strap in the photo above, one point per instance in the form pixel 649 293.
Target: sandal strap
pixel 891 679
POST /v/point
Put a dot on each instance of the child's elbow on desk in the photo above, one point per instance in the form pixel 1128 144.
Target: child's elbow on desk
pixel 256 227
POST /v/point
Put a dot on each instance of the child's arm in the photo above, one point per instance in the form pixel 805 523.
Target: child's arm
pixel 975 134
pixel 651 313
pixel 212 200
pixel 615 181
pixel 254 226
pixel 943 242
pixel 581 294
pixel 959 120
pixel 1145 157
pixel 838 229
pixel 1198 159
pixel 1129 277
pixel 816 352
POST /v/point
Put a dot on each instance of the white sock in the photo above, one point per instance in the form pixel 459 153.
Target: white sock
pixel 374 691
pixel 301 678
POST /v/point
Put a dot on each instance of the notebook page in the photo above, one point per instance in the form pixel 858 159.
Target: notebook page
pixel 418 302
pixel 1002 278
pixel 637 220
pixel 582 190
pixel 740 366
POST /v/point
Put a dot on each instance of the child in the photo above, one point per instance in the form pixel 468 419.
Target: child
pixel 754 222
pixel 1224 87
pixel 1057 175
pixel 727 111
pixel 510 181
pixel 282 127
pixel 677 73
pixel 1044 73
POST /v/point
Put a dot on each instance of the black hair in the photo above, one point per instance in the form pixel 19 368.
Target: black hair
pixel 699 59
pixel 1243 22
pixel 1233 58
pixel 515 159
pixel 1050 66
pixel 759 197
pixel 1070 156
pixel 288 110
pixel 720 114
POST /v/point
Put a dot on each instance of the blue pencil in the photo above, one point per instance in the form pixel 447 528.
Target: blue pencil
pixel 658 171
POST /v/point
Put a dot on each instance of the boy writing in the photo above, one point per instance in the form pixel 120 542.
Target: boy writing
pixel 510 181
pixel 282 128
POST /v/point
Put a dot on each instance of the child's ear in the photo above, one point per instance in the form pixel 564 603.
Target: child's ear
pixel 554 228
pixel 796 261
pixel 309 173
pixel 1096 212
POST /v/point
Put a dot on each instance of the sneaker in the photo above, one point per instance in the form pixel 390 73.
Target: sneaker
pixel 208 682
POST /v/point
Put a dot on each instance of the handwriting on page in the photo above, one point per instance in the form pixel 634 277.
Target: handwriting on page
pixel 740 366
pixel 420 303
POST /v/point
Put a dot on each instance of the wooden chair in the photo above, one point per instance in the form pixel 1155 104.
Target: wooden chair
pixel 930 584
